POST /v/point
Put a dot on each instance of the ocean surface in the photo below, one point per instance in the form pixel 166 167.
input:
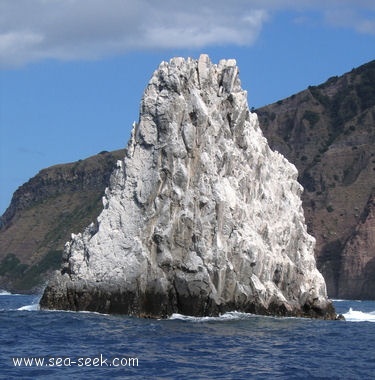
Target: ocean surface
pixel 37 344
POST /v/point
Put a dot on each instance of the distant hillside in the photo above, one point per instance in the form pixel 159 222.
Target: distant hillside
pixel 44 212
pixel 328 132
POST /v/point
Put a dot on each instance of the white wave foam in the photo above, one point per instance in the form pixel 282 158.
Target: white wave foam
pixel 6 293
pixel 72 311
pixel 359 316
pixel 32 307
pixel 233 315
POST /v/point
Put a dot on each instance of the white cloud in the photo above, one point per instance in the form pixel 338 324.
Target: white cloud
pixel 32 30
pixel 362 22
pixel 85 29
pixel 204 29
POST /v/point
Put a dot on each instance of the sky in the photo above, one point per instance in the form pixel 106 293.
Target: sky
pixel 72 72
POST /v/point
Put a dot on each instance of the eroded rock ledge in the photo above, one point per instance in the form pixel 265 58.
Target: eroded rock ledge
pixel 201 217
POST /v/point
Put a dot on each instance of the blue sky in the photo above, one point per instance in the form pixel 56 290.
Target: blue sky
pixel 72 72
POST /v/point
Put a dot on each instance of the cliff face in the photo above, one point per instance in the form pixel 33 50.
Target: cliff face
pixel 328 132
pixel 43 213
pixel 201 217
pixel 357 274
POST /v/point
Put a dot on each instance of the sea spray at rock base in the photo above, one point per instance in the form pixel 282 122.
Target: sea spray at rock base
pixel 200 218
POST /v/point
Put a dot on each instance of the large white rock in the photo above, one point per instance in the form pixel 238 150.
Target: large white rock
pixel 201 217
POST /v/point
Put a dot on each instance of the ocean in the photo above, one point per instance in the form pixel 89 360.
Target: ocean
pixel 37 344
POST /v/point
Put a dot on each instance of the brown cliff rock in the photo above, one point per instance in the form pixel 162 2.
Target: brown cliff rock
pixel 328 132
pixel 357 278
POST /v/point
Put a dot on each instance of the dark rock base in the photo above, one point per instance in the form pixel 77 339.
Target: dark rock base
pixel 86 297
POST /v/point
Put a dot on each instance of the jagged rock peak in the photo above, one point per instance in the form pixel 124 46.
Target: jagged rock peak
pixel 201 217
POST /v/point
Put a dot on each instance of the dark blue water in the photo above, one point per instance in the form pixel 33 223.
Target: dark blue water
pixel 234 346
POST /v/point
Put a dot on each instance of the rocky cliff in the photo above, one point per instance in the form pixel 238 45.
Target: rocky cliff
pixel 328 132
pixel 200 217
pixel 42 215
pixel 357 272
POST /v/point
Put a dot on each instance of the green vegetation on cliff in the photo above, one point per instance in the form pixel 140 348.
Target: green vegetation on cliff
pixel 44 212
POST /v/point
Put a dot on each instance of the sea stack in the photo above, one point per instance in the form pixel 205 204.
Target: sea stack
pixel 201 216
